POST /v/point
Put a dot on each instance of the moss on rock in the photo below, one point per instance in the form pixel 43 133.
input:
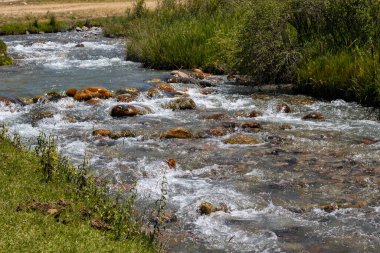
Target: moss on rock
pixel 4 58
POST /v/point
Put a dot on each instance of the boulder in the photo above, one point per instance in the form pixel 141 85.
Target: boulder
pixel 284 108
pixel 204 84
pixel 124 111
pixel 198 74
pixel 182 104
pixel 180 74
pixel 92 92
pixel 314 116
pixel 153 92
pixel 165 87
pixel 178 133
pixel 254 114
pixel 242 140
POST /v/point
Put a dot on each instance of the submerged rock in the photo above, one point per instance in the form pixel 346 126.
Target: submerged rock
pixel 94 101
pixel 11 100
pixel 314 116
pixel 126 98
pixel 178 133
pixel 92 92
pixel 242 140
pixel 127 90
pixel 182 104
pixel 251 126
pixel 122 134
pixel 172 163
pixel 102 132
pixel 254 114
pixel 216 116
pixel 217 131
pixel 286 127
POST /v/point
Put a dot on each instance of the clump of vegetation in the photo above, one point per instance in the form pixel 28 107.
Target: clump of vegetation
pixel 48 204
pixel 4 58
pixel 185 34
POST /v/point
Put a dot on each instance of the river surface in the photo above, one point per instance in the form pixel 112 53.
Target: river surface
pixel 311 188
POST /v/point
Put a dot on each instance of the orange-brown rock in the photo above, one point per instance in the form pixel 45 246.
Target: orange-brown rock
pixel 178 133
pixel 127 90
pixel 102 132
pixel 242 140
pixel 314 116
pixel 198 74
pixel 165 87
pixel 217 131
pixel 206 92
pixel 126 98
pixel 172 163
pixel 94 101
pixel 284 108
pixel 255 114
pixel 153 93
pixel 206 208
pixel 216 116
pixel 286 127
pixel 252 126
pixel 124 111
pixel 71 92
pixel 92 92
pixel 182 104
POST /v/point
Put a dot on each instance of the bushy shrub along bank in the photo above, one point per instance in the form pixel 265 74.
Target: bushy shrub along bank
pixel 328 47
pixel 4 58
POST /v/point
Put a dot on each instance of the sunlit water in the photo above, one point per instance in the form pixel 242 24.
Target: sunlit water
pixel 274 190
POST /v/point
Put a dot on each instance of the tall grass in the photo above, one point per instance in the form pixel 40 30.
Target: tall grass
pixel 185 34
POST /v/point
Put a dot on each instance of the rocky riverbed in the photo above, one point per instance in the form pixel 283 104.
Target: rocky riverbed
pixel 242 169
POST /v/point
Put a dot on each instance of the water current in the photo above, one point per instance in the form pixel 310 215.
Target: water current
pixel 308 186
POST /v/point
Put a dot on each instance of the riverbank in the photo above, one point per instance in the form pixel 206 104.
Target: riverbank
pixel 49 205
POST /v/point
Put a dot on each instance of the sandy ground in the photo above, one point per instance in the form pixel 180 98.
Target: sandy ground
pixel 14 10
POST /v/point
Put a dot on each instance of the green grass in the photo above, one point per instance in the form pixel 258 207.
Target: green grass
pixel 24 230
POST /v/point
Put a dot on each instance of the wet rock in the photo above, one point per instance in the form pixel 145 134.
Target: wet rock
pixel 254 114
pixel 261 96
pixel 182 104
pixel 54 96
pixel 79 45
pixel 71 92
pixel 251 126
pixel 92 92
pixel 165 87
pixel 164 217
pixel 126 98
pixel 78 29
pixel 302 101
pixel 172 163
pixel 102 132
pixel 127 90
pixel 231 125
pixel 329 207
pixel 178 133
pixel 368 141
pixel 122 134
pixel 206 208
pixel 11 101
pixel 284 108
pixel 180 74
pixel 314 116
pixel 153 92
pixel 198 74
pixel 206 92
pixel 204 84
pixel 94 101
pixel 286 127
pixel 242 140
pixel 128 111
pixel 217 131
pixel 216 116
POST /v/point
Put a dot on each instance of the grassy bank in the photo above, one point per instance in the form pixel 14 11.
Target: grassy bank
pixel 330 48
pixel 48 205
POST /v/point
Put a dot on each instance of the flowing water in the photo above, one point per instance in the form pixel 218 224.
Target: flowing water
pixel 311 188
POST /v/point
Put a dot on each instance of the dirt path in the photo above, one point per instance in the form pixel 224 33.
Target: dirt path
pixel 77 10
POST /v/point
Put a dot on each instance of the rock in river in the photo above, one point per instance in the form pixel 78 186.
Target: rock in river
pixel 128 111
pixel 241 139
pixel 92 92
pixel 11 100
pixel 182 104
pixel 178 133
pixel 314 116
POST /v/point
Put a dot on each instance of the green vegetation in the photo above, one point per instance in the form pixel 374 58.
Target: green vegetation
pixel 4 58
pixel 185 34
pixel 48 205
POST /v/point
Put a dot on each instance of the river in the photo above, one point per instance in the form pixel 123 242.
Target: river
pixel 308 186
